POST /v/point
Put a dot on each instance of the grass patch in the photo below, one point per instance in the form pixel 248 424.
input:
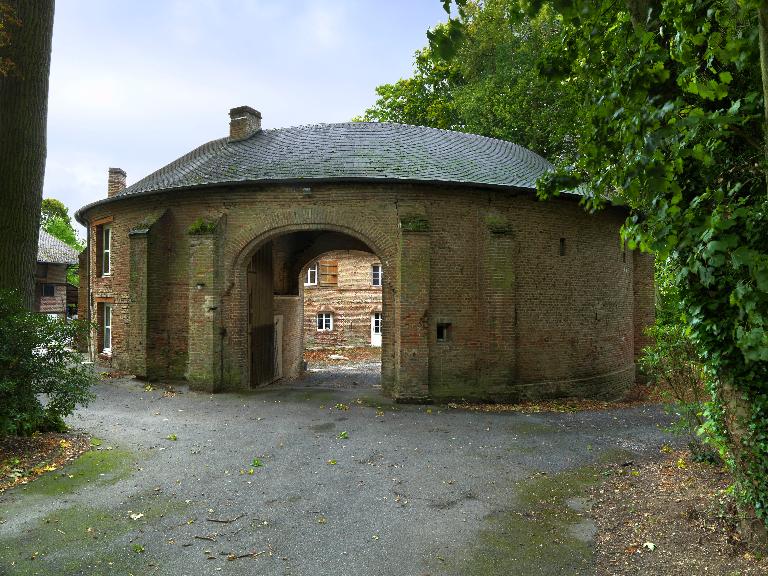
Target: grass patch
pixel 542 534
pixel 97 466
pixel 85 540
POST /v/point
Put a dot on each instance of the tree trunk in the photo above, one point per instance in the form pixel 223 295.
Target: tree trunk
pixel 23 115
pixel 737 414
pixel 762 19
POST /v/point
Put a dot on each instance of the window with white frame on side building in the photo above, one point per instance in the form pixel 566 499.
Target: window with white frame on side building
pixel 106 260
pixel 376 275
pixel 107 329
pixel 103 237
pixel 311 279
pixel 324 321
pixel 377 322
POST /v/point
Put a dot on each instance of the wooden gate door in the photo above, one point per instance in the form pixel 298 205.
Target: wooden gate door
pixel 261 318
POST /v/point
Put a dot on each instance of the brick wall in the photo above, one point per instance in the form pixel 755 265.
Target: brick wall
pixel 289 307
pixel 539 297
pixel 55 275
pixel 351 302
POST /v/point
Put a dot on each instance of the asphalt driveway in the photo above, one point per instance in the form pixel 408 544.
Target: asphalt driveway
pixel 312 482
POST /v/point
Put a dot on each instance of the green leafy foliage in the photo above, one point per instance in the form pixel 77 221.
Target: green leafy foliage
pixel 51 208
pixel 201 227
pixel 673 363
pixel 62 229
pixel 54 219
pixel 37 357
pixel 673 127
pixel 480 74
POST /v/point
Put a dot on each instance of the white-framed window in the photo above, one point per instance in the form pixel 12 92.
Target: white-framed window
pixel 324 321
pixel 376 275
pixel 106 249
pixel 376 327
pixel 311 279
pixel 107 347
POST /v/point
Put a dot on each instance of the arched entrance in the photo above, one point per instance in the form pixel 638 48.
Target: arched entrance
pixel 276 270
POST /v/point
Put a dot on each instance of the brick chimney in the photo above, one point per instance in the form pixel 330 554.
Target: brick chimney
pixel 116 181
pixel 244 122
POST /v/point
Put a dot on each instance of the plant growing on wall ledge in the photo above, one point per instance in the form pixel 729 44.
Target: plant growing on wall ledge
pixel 201 227
pixel 37 357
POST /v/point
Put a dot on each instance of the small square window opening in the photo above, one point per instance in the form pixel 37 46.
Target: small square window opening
pixel 443 331
pixel 49 290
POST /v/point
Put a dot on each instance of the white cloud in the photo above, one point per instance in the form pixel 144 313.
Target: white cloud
pixel 135 85
pixel 324 23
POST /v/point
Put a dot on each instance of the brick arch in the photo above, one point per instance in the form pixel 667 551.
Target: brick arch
pixel 250 239
pixel 381 242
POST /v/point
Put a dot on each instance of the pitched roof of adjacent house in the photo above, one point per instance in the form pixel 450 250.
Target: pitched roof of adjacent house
pixel 352 151
pixel 51 250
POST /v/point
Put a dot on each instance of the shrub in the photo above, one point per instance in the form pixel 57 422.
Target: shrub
pixel 42 378
pixel 674 365
pixel 202 227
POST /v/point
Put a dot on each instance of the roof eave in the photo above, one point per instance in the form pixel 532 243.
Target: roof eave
pixel 80 213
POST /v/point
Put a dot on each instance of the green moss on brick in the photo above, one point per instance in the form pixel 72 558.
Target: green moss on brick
pixel 498 225
pixel 414 223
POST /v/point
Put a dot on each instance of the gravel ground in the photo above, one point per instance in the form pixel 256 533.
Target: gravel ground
pixel 349 483
pixel 364 377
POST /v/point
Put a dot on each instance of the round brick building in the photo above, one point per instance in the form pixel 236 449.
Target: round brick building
pixel 195 272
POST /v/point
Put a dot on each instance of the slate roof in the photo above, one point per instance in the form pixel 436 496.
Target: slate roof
pixel 51 250
pixel 354 150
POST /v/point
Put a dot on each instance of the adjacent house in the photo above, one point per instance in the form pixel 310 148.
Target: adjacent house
pixel 51 289
pixel 342 300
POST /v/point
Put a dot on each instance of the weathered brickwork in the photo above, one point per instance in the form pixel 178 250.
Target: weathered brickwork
pixel 55 275
pixel 533 299
pixel 352 301
pixel 289 309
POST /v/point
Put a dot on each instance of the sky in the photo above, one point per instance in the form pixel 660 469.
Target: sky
pixel 135 85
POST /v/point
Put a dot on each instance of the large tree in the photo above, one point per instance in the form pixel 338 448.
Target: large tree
pixel 25 42
pixel 488 82
pixel 55 219
pixel 674 126
pixel 52 208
